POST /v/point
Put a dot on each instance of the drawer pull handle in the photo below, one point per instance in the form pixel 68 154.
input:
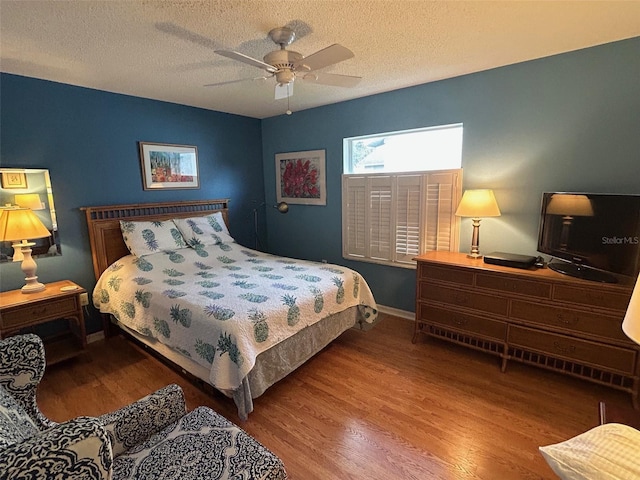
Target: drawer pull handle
pixel 460 321
pixel 567 321
pixel 566 349
pixel 39 311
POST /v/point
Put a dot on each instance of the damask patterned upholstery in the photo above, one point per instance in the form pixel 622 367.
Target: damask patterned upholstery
pixel 152 438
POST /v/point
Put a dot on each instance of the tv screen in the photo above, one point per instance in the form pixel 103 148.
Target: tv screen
pixel 597 235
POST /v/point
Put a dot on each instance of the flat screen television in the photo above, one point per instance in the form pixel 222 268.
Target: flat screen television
pixel 591 236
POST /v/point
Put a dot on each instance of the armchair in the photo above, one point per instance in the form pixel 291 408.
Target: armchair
pixel 151 438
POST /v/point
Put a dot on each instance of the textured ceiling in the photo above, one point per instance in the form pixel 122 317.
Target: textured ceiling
pixel 164 50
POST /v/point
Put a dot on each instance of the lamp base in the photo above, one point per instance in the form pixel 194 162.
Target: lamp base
pixel 28 267
pixel 32 286
pixel 475 240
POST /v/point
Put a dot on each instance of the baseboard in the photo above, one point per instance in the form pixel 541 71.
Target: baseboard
pixel 95 337
pixel 396 312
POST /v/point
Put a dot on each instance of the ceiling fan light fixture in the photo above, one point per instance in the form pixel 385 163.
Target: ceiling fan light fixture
pixel 285 64
pixel 284 77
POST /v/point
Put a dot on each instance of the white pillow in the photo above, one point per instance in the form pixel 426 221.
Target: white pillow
pixel 145 238
pixel 208 230
pixel 607 452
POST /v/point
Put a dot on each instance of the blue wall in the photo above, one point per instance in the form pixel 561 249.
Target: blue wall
pixel 569 122
pixel 88 141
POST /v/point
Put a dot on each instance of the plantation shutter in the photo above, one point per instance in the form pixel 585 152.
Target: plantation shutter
pixel 392 218
pixel 380 231
pixel 443 189
pixel 407 206
pixel 354 216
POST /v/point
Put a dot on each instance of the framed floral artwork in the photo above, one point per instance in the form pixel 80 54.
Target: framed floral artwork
pixel 169 167
pixel 301 177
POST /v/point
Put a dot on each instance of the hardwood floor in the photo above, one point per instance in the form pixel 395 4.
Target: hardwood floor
pixel 371 405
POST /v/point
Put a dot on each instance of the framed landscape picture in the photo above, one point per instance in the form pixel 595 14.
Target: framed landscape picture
pixel 301 177
pixel 169 167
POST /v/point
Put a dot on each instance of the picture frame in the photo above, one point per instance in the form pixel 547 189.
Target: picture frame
pixel 301 177
pixel 14 180
pixel 168 166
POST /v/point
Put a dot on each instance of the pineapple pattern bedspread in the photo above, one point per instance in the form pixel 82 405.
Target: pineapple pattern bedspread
pixel 221 305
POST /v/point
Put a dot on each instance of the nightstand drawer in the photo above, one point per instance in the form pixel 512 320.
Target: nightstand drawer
pixel 34 314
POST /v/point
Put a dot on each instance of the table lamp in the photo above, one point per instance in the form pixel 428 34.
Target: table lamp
pixel 631 322
pixel 20 225
pixel 477 204
pixel 29 200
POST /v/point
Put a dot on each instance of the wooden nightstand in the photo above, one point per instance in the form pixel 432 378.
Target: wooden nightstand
pixel 19 310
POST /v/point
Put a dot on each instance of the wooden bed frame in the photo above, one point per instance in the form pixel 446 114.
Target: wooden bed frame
pixel 105 236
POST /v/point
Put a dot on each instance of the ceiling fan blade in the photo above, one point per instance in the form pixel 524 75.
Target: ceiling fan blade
pixel 325 57
pixel 235 81
pixel 241 57
pixel 284 90
pixel 331 79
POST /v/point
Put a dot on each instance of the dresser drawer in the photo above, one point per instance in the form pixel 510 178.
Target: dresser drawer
pixel 463 298
pixel 592 297
pixel 591 353
pixel 36 313
pixel 453 275
pixel 484 327
pixel 518 286
pixel 605 326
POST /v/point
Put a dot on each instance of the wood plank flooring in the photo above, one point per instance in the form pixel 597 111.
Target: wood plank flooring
pixel 372 405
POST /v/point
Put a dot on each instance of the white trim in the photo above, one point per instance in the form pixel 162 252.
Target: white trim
pixel 396 312
pixel 95 337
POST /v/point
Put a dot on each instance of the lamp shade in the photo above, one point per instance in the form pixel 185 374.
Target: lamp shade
pixel 569 204
pixel 21 224
pixel 28 200
pixel 631 322
pixel 478 203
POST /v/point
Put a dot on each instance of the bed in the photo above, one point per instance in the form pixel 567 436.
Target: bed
pixel 171 276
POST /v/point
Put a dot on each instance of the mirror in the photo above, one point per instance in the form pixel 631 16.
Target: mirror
pixel 30 188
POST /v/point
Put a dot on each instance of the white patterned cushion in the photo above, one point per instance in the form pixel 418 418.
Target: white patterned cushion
pixel 15 425
pixel 209 230
pixel 145 238
pixel 202 444
pixel 607 452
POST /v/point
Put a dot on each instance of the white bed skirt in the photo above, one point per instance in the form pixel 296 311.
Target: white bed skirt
pixel 271 365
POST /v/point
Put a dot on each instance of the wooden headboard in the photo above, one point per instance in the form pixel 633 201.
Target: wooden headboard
pixel 105 236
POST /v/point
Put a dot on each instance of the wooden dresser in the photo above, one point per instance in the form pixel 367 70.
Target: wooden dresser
pixel 539 317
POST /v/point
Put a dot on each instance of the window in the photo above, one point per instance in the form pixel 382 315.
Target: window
pixel 393 216
pixel 422 149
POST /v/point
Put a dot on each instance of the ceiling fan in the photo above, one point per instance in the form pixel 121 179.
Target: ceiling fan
pixel 287 66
